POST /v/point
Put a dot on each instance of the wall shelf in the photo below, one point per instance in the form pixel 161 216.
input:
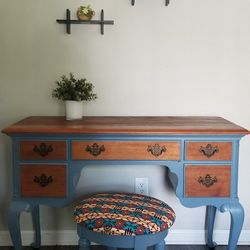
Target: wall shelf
pixel 68 21
pixel 166 2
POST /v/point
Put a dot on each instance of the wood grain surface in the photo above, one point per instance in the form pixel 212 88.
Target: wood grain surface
pixel 58 151
pixel 125 150
pixel 221 188
pixel 30 188
pixel 126 125
pixel 224 151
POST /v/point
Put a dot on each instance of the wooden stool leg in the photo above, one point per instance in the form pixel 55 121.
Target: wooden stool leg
pixel 111 248
pixel 140 248
pixel 84 244
pixel 160 245
pixel 139 244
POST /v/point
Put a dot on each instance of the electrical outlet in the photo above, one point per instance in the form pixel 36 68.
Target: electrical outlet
pixel 141 186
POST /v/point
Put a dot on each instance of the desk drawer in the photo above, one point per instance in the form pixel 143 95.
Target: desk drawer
pixel 207 181
pixel 43 180
pixel 43 150
pixel 209 151
pixel 128 150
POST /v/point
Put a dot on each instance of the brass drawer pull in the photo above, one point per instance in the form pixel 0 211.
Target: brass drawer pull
pixel 95 149
pixel 209 150
pixel 43 180
pixel 207 180
pixel 156 150
pixel 43 150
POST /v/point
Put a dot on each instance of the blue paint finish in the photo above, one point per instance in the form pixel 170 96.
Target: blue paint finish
pixel 234 169
pixel 209 225
pixel 15 209
pixel 176 176
pixel 136 242
pixel 237 218
pixel 160 246
pixel 37 227
pixel 83 242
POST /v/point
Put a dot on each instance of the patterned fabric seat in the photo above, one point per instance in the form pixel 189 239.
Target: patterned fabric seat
pixel 124 214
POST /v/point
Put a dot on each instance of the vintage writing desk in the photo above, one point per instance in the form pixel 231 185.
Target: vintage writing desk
pixel 200 152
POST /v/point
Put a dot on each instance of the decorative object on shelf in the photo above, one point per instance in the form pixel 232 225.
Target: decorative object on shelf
pixel 74 91
pixel 85 13
pixel 166 2
pixel 68 22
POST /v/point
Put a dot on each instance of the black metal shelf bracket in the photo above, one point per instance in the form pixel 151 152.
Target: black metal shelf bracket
pixel 68 21
pixel 166 2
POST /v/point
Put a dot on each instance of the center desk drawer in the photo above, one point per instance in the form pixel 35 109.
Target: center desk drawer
pixel 43 180
pixel 127 150
pixel 43 150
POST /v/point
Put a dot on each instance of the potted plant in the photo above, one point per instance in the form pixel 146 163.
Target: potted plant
pixel 73 92
pixel 85 13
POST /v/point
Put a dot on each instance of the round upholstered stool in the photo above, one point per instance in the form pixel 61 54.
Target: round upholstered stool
pixel 123 220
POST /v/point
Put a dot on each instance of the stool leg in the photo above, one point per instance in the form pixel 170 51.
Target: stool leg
pixel 84 244
pixel 139 244
pixel 111 248
pixel 160 245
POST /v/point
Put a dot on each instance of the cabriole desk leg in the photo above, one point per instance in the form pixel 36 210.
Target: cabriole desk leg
pixel 237 217
pixel 210 216
pixel 14 222
pixel 36 224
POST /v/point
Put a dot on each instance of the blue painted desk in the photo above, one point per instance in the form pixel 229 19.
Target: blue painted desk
pixel 200 152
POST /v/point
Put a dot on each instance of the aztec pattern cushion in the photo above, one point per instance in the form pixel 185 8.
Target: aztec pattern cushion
pixel 124 214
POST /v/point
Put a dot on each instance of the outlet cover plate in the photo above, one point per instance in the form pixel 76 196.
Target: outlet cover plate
pixel 141 186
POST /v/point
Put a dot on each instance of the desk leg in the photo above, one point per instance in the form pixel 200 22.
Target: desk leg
pixel 210 216
pixel 36 223
pixel 237 217
pixel 14 222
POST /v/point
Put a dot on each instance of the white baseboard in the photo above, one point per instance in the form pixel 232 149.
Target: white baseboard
pixel 175 237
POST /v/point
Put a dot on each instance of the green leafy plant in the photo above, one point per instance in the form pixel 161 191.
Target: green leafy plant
pixel 70 88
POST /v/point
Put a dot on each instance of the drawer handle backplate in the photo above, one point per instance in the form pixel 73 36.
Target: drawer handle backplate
pixel 209 150
pixel 43 180
pixel 207 180
pixel 156 150
pixel 95 149
pixel 43 150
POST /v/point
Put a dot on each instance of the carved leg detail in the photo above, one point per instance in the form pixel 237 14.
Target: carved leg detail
pixel 36 223
pixel 84 244
pixel 210 216
pixel 15 210
pixel 237 217
pixel 14 226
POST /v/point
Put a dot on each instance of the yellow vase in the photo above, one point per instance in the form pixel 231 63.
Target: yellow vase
pixel 84 17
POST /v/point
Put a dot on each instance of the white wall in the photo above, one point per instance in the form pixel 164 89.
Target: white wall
pixel 190 58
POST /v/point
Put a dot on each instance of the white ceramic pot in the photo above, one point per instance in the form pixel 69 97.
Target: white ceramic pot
pixel 73 110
